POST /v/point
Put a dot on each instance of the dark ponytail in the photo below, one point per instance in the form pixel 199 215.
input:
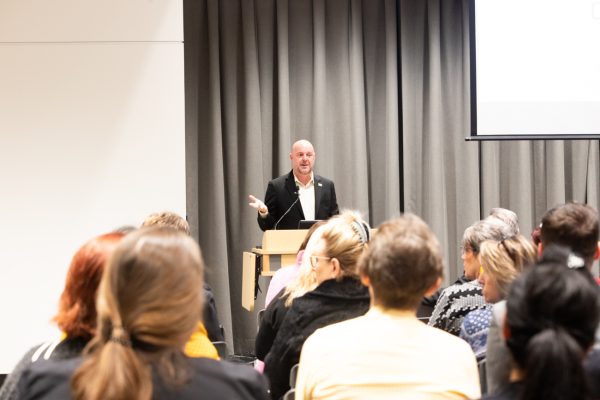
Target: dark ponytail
pixel 554 366
pixel 552 315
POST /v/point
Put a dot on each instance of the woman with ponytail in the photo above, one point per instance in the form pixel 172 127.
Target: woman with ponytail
pixel 149 303
pixel 551 319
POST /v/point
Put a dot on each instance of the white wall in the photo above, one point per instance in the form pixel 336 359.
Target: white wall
pixel 91 138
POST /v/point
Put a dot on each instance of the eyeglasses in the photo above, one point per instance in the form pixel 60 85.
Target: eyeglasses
pixel 314 260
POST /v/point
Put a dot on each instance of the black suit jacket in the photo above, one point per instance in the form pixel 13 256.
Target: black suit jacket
pixel 281 195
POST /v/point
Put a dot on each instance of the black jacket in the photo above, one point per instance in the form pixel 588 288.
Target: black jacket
pixel 210 318
pixel 281 194
pixel 269 326
pixel 63 350
pixel 209 379
pixel 332 301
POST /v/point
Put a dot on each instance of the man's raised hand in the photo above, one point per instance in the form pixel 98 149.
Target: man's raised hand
pixel 257 204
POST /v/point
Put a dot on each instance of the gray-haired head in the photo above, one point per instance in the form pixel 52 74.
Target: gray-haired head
pixel 507 216
pixel 486 229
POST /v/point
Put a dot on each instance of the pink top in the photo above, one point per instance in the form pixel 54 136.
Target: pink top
pixel 282 277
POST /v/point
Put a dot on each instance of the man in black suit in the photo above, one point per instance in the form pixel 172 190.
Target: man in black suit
pixel 298 195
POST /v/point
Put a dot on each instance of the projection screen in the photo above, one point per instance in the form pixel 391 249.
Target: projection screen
pixel 535 69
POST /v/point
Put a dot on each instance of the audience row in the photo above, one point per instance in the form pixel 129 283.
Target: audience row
pixel 138 320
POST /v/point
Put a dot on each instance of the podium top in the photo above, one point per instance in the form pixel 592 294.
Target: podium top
pixel 283 241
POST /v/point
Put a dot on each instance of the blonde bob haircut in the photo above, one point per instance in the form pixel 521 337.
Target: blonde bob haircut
pixel 505 260
pixel 346 237
pixel 149 303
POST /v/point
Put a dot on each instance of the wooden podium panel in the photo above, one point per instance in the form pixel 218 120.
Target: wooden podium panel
pixel 283 244
pixel 248 276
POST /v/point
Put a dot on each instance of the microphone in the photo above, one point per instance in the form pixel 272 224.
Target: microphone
pixel 290 208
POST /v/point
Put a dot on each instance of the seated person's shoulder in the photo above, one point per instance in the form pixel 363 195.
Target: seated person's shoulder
pixel 447 341
pixel 477 320
pixel 458 289
pixel 48 379
pixel 226 380
pixel 340 332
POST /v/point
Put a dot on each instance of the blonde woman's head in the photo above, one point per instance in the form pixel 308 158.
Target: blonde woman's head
pixel 501 262
pixel 343 240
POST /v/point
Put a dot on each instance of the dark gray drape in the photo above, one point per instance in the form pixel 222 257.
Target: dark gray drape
pixel 266 73
pixel 381 88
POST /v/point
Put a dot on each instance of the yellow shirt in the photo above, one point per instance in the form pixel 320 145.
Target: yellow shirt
pixel 199 345
pixel 386 355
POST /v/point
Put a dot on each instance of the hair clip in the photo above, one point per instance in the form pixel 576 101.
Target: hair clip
pixel 575 262
pixel 120 340
pixel 119 335
pixel 362 229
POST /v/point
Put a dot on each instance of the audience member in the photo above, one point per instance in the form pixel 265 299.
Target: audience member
pixel 76 316
pixel 573 225
pixel 501 262
pixel 286 274
pixel 275 313
pixel 551 318
pixel 388 353
pixel 209 326
pixel 167 218
pixel 535 236
pixel 507 216
pixel 148 306
pixel 504 215
pixel 339 295
pixel 459 299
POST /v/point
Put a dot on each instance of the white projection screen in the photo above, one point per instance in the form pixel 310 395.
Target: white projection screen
pixel 535 69
pixel 92 137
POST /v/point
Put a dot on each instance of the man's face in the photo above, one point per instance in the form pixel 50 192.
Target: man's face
pixel 303 158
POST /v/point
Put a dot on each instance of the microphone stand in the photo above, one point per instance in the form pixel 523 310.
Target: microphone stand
pixel 289 209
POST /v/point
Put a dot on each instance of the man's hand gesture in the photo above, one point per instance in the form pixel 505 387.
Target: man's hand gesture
pixel 258 204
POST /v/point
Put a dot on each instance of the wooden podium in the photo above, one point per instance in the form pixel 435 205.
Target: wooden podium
pixel 283 244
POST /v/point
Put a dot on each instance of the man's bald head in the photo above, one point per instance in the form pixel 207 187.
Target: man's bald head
pixel 303 159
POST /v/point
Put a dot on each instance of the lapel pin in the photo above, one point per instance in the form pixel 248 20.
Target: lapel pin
pixel 319 184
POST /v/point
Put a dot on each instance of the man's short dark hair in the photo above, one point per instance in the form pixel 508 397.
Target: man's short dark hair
pixel 574 225
pixel 402 262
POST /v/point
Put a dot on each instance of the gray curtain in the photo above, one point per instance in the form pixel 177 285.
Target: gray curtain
pixel 381 88
pixel 440 168
pixel 531 177
pixel 267 73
